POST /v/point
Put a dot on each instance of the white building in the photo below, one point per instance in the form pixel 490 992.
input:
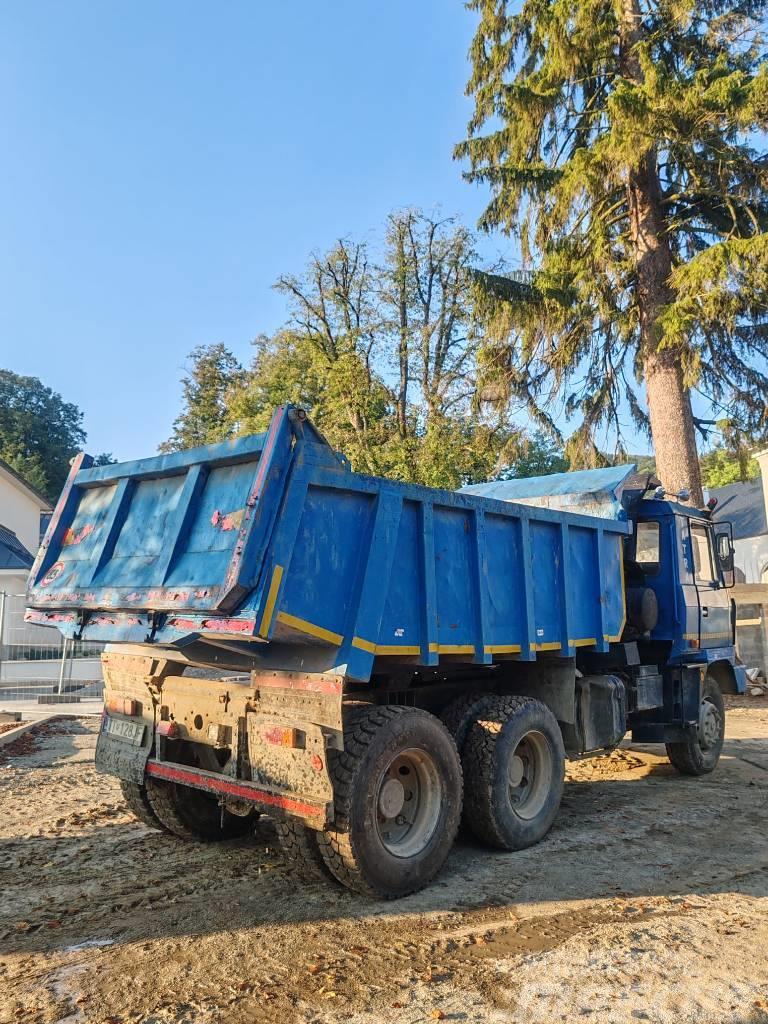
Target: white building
pixel 21 510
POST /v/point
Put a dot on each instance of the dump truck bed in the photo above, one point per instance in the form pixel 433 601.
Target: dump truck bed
pixel 269 552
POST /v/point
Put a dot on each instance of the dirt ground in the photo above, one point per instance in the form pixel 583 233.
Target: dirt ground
pixel 647 901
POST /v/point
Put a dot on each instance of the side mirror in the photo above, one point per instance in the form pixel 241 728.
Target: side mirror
pixel 724 548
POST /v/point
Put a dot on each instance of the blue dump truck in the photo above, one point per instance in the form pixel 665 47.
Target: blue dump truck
pixel 367 661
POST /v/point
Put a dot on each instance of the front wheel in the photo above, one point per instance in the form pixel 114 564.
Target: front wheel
pixel 397 794
pixel 700 752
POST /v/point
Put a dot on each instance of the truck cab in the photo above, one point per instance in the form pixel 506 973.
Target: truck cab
pixel 678 570
pixel 677 552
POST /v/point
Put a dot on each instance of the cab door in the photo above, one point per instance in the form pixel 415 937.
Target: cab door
pixel 714 605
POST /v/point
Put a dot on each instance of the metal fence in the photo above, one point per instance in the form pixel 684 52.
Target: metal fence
pixel 37 663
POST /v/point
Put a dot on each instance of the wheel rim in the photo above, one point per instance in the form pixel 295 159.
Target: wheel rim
pixel 529 775
pixel 710 725
pixel 408 800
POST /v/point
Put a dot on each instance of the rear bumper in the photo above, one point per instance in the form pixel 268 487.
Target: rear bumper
pixel 269 800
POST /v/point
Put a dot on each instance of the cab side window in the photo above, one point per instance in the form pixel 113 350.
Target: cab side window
pixel 647 546
pixel 702 555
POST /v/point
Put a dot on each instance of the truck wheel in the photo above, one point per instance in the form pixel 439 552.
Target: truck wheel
pixel 458 716
pixel 514 766
pixel 191 814
pixel 138 803
pixel 699 754
pixel 299 845
pixel 397 794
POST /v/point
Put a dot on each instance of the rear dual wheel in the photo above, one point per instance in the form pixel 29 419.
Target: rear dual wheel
pixel 514 764
pixel 135 797
pixel 186 812
pixel 398 791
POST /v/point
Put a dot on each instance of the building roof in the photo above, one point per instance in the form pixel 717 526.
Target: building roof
pixel 8 470
pixel 13 554
pixel 742 505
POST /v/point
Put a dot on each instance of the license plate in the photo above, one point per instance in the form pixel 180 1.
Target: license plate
pixel 131 732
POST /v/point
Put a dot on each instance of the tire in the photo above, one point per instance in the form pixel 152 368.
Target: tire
pixel 300 847
pixel 397 796
pixel 138 803
pixel 191 814
pixel 699 754
pixel 459 715
pixel 507 807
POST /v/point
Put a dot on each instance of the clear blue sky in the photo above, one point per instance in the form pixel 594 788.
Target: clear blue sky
pixel 164 162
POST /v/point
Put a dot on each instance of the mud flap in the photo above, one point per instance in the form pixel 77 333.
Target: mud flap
pixel 116 756
pixel 290 731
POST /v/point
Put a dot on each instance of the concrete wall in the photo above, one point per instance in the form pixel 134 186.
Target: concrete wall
pixel 88 669
pixel 20 511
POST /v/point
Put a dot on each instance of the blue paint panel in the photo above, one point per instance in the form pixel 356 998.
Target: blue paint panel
pixel 400 623
pixel 215 527
pixel 320 579
pixel 119 534
pixel 583 585
pixel 506 581
pixel 454 573
pixel 83 537
pixel 613 591
pixel 154 501
pixel 546 556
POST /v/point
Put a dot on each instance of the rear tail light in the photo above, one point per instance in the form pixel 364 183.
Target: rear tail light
pixel 283 737
pixel 168 729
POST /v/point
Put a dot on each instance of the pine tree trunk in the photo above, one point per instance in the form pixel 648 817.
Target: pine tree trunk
pixel 669 401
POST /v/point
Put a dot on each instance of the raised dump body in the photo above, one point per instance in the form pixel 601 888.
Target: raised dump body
pixel 273 548
pixel 404 654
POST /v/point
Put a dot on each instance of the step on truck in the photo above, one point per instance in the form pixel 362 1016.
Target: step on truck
pixel 368 661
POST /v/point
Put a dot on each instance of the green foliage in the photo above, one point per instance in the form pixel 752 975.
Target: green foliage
pixel 381 351
pixel 540 454
pixel 564 118
pixel 730 460
pixel 39 432
pixel 720 467
pixel 645 463
pixel 206 390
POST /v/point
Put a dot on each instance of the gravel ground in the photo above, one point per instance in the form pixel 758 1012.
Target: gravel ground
pixel 647 901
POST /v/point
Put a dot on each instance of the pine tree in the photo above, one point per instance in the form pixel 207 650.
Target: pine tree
pixel 619 140
pixel 207 389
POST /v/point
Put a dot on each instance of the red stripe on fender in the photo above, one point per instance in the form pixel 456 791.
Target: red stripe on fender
pixel 213 783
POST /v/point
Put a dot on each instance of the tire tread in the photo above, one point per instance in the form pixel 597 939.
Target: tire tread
pixel 479 763
pixel 336 846
pixel 138 803
pixel 300 847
